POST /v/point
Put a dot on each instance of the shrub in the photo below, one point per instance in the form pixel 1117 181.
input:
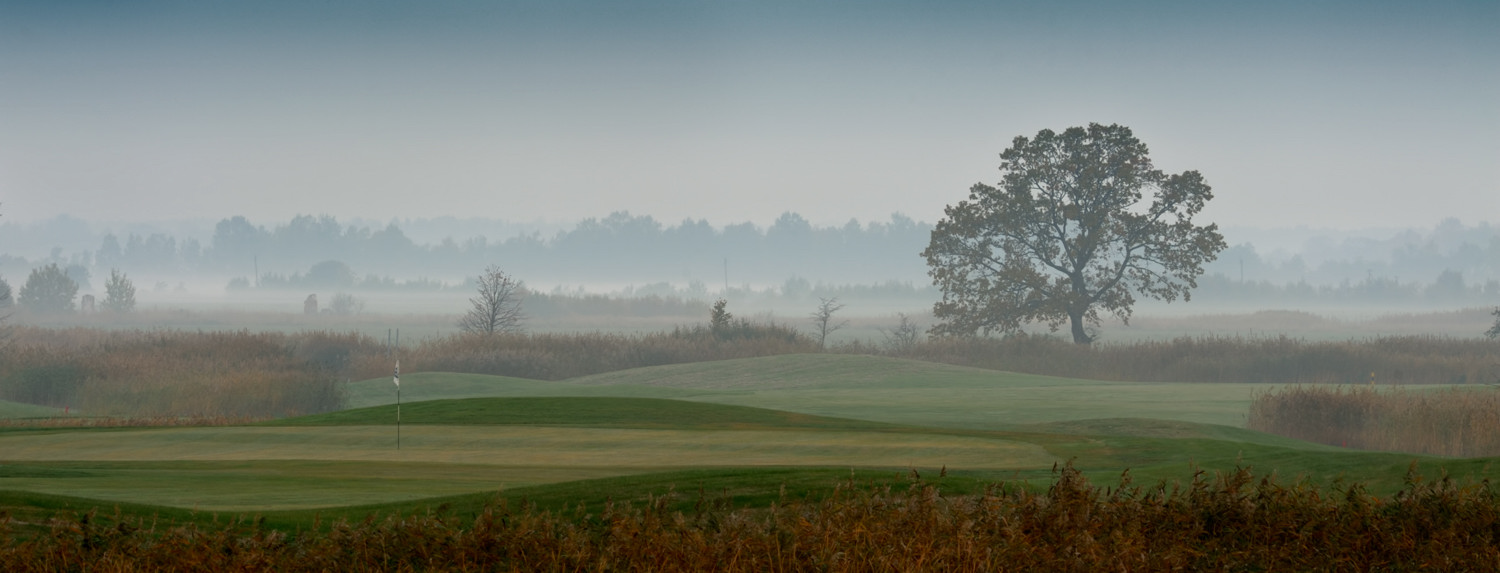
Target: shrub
pixel 48 290
pixel 346 304
pixel 1226 522
pixel 119 292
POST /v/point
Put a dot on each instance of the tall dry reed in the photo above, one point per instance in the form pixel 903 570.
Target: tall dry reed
pixel 1454 422
pixel 147 373
pixel 240 373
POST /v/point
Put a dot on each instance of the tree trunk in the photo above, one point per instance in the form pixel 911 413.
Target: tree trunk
pixel 1080 336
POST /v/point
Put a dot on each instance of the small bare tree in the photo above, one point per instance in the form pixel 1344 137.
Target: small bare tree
pixel 346 304
pixel 497 307
pixel 822 319
pixel 904 336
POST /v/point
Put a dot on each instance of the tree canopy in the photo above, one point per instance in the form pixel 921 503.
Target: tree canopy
pixel 1068 233
pixel 119 292
pixel 48 290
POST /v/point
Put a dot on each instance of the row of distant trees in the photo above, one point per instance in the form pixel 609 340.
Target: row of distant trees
pixel 49 290
pixel 1448 288
pixel 618 248
pixel 628 249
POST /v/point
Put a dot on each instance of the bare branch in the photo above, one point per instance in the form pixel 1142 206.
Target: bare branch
pixel 496 309
pixel 822 319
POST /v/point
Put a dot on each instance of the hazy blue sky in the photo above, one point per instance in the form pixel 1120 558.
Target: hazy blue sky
pixel 1341 114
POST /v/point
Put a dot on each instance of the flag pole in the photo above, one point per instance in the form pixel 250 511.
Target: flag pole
pixel 396 376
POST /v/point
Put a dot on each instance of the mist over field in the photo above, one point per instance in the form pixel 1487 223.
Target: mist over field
pixel 1302 281
pixel 772 153
pixel 835 285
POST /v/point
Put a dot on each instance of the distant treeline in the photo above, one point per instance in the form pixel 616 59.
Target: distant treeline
pixel 1450 289
pixel 1450 265
pixel 1405 257
pixel 620 249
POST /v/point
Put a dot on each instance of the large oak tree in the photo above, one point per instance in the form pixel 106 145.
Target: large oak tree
pixel 1080 223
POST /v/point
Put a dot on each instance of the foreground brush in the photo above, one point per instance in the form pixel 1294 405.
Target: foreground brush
pixel 1229 522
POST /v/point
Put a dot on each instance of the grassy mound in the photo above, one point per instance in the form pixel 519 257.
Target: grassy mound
pixel 580 411
pixel 21 410
pixel 420 386
pixel 813 371
pixel 875 388
pixel 1152 428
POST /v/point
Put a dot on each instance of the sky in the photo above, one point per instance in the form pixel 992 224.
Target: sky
pixel 1329 114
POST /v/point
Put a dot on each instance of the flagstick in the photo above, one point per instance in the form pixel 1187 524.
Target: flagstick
pixel 396 377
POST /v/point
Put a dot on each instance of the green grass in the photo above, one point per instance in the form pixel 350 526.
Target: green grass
pixel 20 410
pixel 689 491
pixel 347 457
pixel 578 411
pixel 694 490
pixel 258 485
pixel 872 388
pixel 740 430
pixel 419 386
pixel 530 446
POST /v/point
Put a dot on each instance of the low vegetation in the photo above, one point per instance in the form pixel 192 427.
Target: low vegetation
pixel 177 373
pixel 236 374
pixel 1232 521
pixel 1278 360
pixel 1454 422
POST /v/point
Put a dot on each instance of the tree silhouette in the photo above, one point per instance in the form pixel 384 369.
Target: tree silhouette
pixel 1067 234
pixel 497 306
pixel 48 290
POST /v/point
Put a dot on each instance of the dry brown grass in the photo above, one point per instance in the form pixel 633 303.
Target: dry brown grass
pixel 1232 522
pixel 174 373
pixel 1455 422
pixel 171 374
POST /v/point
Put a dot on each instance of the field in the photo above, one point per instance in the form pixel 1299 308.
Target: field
pixel 738 433
pixel 465 433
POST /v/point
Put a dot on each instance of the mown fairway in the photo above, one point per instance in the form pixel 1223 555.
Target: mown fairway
pixel 19 410
pixel 462 446
pixel 750 426
pixel 863 387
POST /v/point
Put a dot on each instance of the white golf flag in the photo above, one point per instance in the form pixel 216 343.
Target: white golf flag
pixel 396 377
